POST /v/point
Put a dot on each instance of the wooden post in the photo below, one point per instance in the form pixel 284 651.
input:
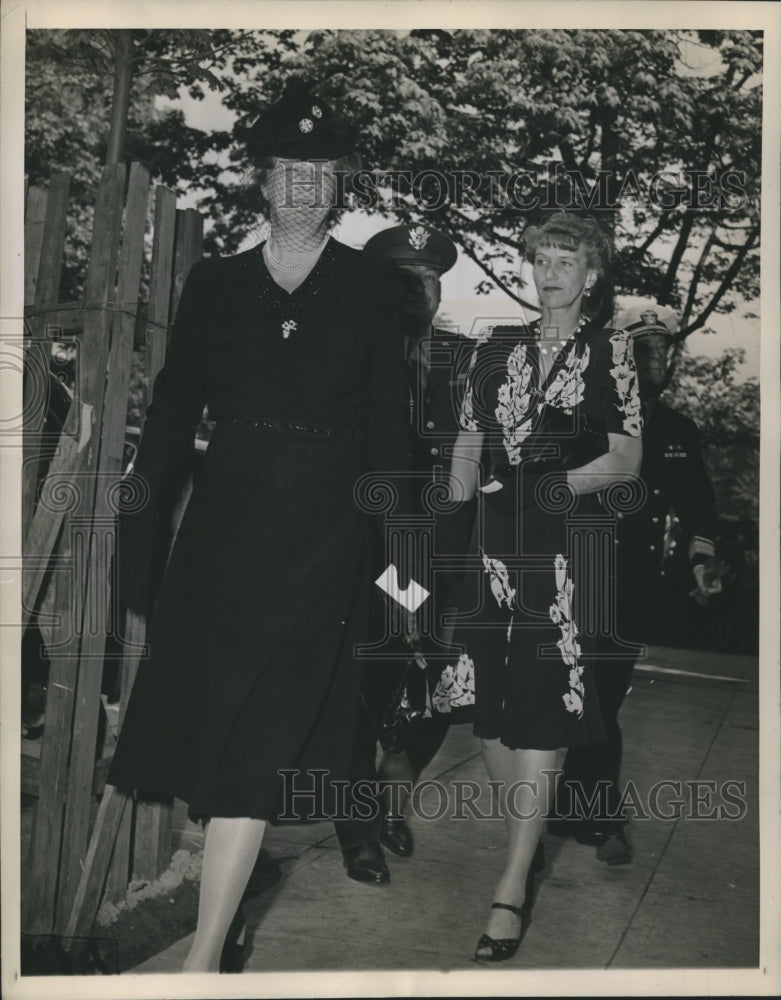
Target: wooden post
pixel 94 354
pixel 106 464
pixel 189 249
pixel 159 288
pixel 153 834
pixel 46 259
pixel 34 219
pixel 87 897
pixel 68 867
pixel 43 863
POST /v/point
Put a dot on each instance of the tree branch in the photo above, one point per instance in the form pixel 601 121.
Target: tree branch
pixel 726 281
pixel 497 280
pixel 515 244
pixel 696 280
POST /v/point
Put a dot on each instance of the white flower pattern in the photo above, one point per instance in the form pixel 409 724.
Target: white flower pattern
pixel 625 375
pixel 514 403
pixel 500 580
pixel 456 686
pixel 566 390
pixel 561 614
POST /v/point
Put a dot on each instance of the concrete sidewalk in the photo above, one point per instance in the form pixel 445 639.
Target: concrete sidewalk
pixel 690 898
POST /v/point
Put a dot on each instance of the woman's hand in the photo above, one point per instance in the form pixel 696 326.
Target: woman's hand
pixel 621 461
pixel 465 466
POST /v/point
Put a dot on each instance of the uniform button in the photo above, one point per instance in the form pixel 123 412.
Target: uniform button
pixel 619 515
pixel 673 544
pixel 435 451
pixel 656 493
pixel 615 541
pixel 430 424
pixel 652 547
pixel 655 520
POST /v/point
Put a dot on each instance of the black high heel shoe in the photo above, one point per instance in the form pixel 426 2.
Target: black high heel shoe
pixel 233 957
pixel 502 948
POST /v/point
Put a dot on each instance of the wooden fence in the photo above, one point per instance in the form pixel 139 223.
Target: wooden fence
pixel 76 854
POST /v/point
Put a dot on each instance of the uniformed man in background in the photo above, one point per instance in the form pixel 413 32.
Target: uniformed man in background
pixel 678 485
pixel 422 255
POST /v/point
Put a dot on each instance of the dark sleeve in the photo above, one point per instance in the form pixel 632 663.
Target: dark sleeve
pixel 178 396
pixel 620 392
pixel 166 449
pixel 388 430
pixel 695 503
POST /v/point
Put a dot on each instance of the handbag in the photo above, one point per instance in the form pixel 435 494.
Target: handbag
pixel 410 703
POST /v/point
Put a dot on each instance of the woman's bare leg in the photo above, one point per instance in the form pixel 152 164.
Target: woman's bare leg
pixel 229 855
pixel 524 821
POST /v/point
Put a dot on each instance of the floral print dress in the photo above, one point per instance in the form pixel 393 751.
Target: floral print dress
pixel 524 674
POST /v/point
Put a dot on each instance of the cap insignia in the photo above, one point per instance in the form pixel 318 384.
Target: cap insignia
pixel 418 237
pixel 317 111
pixel 649 316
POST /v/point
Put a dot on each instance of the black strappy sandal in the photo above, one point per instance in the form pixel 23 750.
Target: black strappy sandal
pixel 502 948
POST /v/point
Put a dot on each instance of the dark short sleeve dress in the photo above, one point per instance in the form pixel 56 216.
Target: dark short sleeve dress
pixel 250 669
pixel 524 675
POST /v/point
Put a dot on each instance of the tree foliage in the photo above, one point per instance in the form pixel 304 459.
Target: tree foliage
pixel 615 109
pixel 726 412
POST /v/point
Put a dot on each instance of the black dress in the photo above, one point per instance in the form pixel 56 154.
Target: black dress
pixel 250 668
pixel 524 676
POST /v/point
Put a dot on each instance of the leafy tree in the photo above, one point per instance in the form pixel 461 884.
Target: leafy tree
pixel 614 108
pixel 591 117
pixel 727 415
pixel 90 100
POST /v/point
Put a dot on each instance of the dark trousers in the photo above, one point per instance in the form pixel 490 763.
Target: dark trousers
pixel 355 831
pixel 591 773
pixel 424 740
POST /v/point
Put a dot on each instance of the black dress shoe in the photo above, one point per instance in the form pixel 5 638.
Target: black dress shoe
pixel 366 863
pixel 396 835
pixel 614 849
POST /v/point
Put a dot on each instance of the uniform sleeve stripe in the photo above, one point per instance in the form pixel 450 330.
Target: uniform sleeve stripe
pixel 700 546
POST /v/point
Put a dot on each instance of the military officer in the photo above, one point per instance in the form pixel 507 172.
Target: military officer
pixel 422 255
pixel 676 481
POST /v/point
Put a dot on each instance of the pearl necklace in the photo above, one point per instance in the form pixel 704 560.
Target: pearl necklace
pixel 302 265
pixel 561 343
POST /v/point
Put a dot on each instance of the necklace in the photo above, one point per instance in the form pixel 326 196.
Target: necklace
pixel 561 342
pixel 301 265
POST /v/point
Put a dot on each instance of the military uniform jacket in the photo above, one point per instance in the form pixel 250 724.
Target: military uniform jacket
pixel 676 481
pixel 435 403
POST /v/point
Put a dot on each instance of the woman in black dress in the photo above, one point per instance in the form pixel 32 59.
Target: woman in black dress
pixel 557 405
pixel 295 347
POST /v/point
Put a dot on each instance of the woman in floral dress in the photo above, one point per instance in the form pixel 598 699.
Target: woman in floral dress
pixel 558 407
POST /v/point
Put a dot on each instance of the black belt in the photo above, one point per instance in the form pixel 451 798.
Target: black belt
pixel 354 434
